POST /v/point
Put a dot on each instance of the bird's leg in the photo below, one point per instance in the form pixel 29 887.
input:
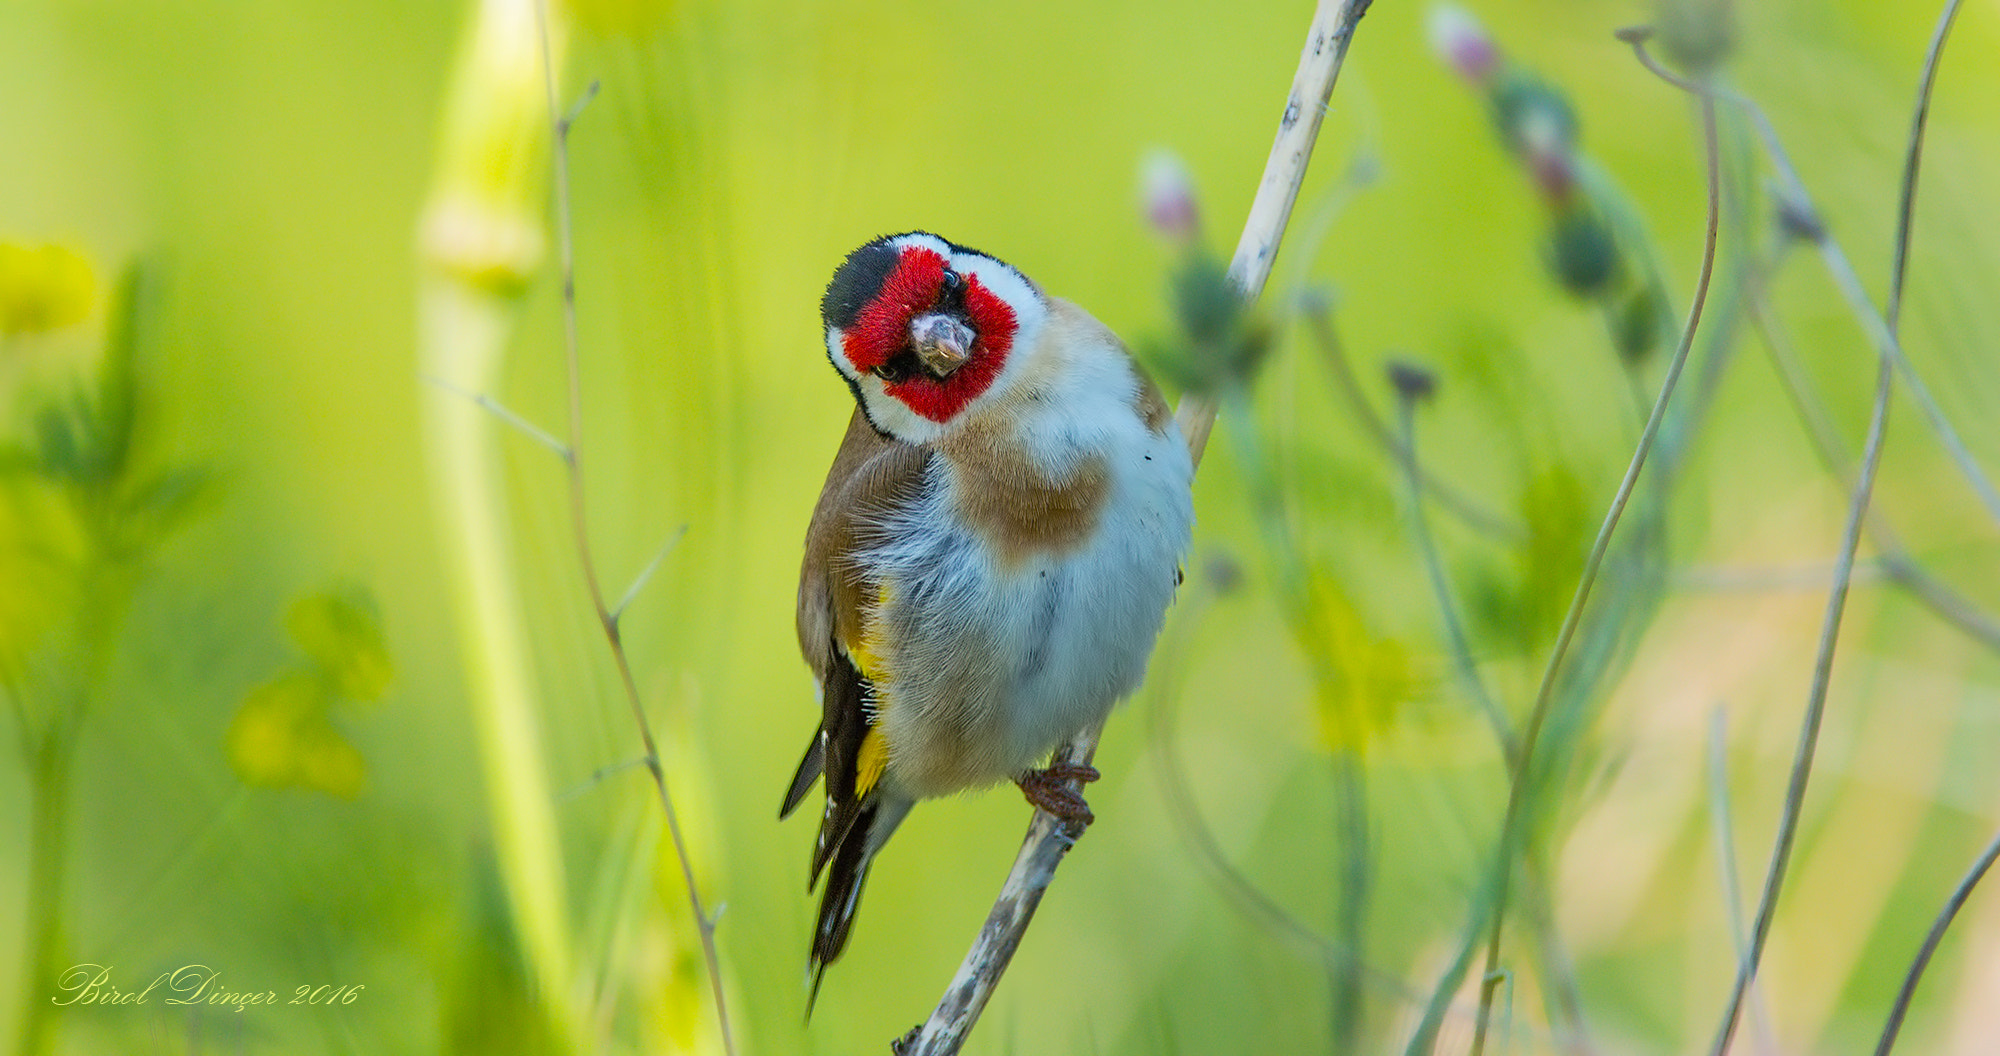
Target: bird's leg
pixel 1048 788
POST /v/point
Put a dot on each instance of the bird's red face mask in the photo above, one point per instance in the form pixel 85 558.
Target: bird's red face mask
pixel 936 338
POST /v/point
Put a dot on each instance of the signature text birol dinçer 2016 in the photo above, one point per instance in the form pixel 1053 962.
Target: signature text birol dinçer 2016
pixel 191 984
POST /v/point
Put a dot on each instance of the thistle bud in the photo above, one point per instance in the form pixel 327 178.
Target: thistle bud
pixel 1530 112
pixel 1582 253
pixel 1697 35
pixel 1546 153
pixel 1167 195
pixel 1413 382
pixel 1635 324
pixel 1460 42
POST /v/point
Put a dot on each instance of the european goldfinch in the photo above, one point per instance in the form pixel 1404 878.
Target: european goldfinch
pixel 992 556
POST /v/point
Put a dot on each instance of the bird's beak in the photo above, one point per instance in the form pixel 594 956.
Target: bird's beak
pixel 941 341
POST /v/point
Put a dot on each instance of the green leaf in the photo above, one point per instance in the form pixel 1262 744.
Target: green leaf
pixel 343 636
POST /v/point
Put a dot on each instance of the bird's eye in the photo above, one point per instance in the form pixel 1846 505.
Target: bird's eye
pixel 951 295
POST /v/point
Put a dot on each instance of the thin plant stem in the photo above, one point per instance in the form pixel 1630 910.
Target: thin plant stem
pixel 1894 561
pixel 506 414
pixel 1454 629
pixel 1803 214
pixel 607 619
pixel 1351 902
pixel 1905 221
pixel 1908 991
pixel 1725 858
pixel 1319 323
pixel 1510 833
pixel 1424 1039
pixel 1815 710
pixel 1049 839
pixel 1890 358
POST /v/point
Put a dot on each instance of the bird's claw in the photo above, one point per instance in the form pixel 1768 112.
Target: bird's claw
pixel 1048 789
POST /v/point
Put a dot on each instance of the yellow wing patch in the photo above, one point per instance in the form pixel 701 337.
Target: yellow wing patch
pixel 874 756
pixel 866 655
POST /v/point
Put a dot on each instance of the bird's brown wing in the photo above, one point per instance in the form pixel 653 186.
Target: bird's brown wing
pixel 872 476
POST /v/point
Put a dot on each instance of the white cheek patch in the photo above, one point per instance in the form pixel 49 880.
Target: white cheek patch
pixel 893 416
pixel 1011 286
pixel 837 352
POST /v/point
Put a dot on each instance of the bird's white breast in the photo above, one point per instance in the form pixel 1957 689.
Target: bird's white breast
pixel 992 659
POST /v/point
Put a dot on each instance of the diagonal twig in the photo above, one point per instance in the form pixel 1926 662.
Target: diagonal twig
pixel 1048 838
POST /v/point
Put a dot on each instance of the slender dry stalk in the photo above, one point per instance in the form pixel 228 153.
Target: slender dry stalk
pixel 1725 860
pixel 1945 916
pixel 1804 216
pixel 609 619
pixel 1892 559
pixel 1048 838
pixel 1890 359
pixel 1905 219
pixel 1843 575
pixel 1511 827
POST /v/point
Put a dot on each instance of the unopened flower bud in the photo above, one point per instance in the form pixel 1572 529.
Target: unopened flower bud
pixel 1412 381
pixel 1582 253
pixel 1797 219
pixel 1167 193
pixel 1548 158
pixel 1531 112
pixel 1635 325
pixel 1460 42
pixel 1697 35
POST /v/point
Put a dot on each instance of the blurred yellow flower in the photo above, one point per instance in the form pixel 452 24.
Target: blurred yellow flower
pixel 281 738
pixel 42 288
pixel 1361 677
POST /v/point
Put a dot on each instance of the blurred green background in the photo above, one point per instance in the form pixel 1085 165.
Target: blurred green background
pixel 270 164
